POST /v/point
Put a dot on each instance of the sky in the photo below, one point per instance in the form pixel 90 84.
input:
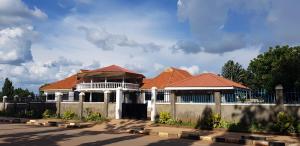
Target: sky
pixel 43 41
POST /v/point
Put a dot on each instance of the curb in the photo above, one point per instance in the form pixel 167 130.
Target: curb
pixel 244 140
pixel 60 125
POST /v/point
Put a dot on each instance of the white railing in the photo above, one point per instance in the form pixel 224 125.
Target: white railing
pixel 106 85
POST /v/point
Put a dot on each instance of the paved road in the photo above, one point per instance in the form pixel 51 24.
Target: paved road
pixel 25 135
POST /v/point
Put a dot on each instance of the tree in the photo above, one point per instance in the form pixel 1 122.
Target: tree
pixel 23 93
pixel 234 71
pixel 279 65
pixel 8 88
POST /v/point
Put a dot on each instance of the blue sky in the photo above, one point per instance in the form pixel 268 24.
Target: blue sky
pixel 44 41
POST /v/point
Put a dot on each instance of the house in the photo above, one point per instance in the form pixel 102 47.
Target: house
pixel 117 92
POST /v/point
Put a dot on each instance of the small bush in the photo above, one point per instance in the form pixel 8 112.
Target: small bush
pixel 223 124
pixel 94 117
pixel 210 121
pixel 164 117
pixel 216 120
pixel 172 122
pixel 284 123
pixel 257 127
pixel 298 127
pixel 69 115
pixel 48 114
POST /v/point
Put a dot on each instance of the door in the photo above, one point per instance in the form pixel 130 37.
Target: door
pixel 134 111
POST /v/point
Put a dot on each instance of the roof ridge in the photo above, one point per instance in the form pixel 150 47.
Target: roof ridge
pixel 184 79
pixel 217 77
pixel 227 80
pixel 170 77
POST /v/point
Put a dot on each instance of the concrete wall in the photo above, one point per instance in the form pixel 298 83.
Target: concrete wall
pixel 232 112
pixel 1 106
pixel 111 110
pixel 163 108
pixel 91 106
pixel 256 112
pixel 192 112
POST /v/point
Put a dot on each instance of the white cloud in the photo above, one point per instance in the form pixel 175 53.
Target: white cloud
pixel 33 74
pixel 158 67
pixel 186 47
pixel 16 11
pixel 194 69
pixel 15 45
pixel 268 22
pixel 108 41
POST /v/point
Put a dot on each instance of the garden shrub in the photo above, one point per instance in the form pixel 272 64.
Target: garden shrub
pixel 94 117
pixel 284 123
pixel 257 127
pixel 48 114
pixel 210 121
pixel 216 119
pixel 69 115
pixel 172 122
pixel 164 117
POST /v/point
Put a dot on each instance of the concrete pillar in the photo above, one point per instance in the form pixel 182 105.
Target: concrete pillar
pixel 71 96
pixel 119 102
pixel 46 94
pixel 106 96
pixel 4 102
pixel 91 96
pixel 217 96
pixel 81 99
pixel 16 97
pixel 279 94
pixel 153 103
pixel 58 103
pixel 173 103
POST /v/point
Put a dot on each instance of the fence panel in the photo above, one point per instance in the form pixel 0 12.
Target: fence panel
pixel 291 97
pixel 197 98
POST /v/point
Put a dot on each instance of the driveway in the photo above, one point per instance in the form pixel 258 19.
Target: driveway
pixel 21 135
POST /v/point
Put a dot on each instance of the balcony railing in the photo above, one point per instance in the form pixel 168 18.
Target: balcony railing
pixel 106 85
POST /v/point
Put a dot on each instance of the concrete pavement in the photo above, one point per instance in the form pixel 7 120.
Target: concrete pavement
pixel 21 135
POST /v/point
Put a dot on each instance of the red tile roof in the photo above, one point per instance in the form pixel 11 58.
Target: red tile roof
pixel 167 77
pixel 70 82
pixel 114 68
pixel 67 83
pixel 207 80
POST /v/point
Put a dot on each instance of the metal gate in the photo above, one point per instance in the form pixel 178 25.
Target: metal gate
pixel 134 111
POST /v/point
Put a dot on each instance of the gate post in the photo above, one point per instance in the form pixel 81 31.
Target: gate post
pixel 81 99
pixel 217 96
pixel 4 102
pixel 58 103
pixel 106 96
pixel 173 104
pixel 279 95
pixel 153 103
pixel 119 102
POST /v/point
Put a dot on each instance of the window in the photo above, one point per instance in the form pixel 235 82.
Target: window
pixel 51 97
pixel 148 95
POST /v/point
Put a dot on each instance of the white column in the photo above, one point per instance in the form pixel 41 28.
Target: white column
pixel 153 101
pixel 81 99
pixel 119 101
pixel 106 100
pixel 4 102
pixel 46 93
pixel 71 96
pixel 57 95
pixel 91 96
